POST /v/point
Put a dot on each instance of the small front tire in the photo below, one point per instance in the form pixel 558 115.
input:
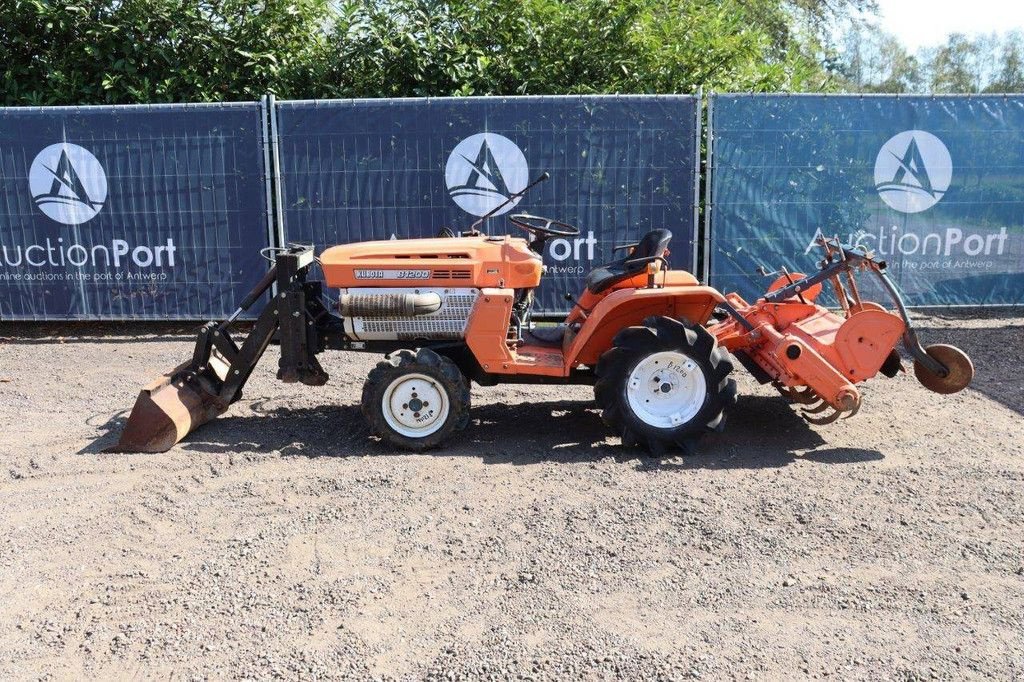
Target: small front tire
pixel 416 399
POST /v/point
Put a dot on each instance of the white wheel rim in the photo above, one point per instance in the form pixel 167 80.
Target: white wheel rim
pixel 666 389
pixel 415 405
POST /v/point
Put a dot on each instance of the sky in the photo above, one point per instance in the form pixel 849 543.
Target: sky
pixel 923 23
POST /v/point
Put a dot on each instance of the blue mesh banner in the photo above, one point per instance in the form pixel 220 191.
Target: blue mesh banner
pixel 380 169
pixel 934 185
pixel 136 212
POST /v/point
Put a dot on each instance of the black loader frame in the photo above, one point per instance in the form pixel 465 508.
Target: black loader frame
pixel 202 388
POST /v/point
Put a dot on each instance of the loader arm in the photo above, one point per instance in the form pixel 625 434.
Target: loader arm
pixel 186 397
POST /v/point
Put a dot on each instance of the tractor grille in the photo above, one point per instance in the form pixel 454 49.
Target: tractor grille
pixel 448 322
pixel 452 274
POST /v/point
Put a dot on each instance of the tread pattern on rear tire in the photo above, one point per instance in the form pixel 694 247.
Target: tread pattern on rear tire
pixel 658 334
pixel 423 361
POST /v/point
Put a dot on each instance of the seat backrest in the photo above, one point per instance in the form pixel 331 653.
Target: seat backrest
pixel 654 243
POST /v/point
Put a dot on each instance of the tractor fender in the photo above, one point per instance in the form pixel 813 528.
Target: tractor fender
pixel 629 307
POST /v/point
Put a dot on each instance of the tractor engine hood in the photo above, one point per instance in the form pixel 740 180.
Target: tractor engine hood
pixel 503 262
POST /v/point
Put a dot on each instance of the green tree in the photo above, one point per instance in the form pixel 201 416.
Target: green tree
pixel 871 60
pixel 98 51
pixel 418 47
pixel 117 51
pixel 876 61
pixel 1010 75
pixel 954 67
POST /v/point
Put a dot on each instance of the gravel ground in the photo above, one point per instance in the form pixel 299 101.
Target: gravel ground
pixel 281 540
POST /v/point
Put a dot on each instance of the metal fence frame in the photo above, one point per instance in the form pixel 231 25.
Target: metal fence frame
pixel 693 233
pixel 710 167
pixel 697 127
pixel 709 141
pixel 59 109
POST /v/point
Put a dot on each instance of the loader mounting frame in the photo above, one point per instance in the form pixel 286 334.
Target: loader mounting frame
pixel 201 389
pixel 294 316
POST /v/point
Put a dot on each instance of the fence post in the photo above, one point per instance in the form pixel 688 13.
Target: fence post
pixel 275 156
pixel 708 173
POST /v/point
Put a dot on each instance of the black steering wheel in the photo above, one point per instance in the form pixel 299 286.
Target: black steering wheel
pixel 542 228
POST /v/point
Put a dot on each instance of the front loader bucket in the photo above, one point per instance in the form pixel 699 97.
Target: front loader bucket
pixel 168 409
pixel 180 401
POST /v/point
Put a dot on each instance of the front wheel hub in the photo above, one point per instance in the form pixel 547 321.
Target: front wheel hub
pixel 415 405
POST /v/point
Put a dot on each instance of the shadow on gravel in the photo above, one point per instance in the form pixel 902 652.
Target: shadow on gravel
pixel 766 457
pixel 110 428
pixel 763 432
pixel 997 354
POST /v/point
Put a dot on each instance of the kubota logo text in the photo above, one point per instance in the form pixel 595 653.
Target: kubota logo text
pixel 67 183
pixel 483 171
pixel 913 171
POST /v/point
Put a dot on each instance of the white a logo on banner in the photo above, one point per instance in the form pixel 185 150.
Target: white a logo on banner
pixel 67 183
pixel 483 171
pixel 913 171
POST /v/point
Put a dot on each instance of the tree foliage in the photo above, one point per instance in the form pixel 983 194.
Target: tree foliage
pixel 411 47
pixel 877 62
pixel 874 61
pixel 121 51
pixel 1010 76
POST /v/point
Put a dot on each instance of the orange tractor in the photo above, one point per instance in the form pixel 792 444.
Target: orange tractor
pixel 656 344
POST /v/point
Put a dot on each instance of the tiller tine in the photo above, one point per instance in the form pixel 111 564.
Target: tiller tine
pixel 784 391
pixel 834 415
pixel 815 409
pixel 806 396
pixel 168 409
pixel 821 421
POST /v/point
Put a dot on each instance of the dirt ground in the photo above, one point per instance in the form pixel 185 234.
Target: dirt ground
pixel 281 540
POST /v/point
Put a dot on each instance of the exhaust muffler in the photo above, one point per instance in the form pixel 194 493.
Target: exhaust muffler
pixel 389 305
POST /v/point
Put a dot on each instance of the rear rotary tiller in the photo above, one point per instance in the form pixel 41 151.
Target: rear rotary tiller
pixel 815 357
pixel 657 346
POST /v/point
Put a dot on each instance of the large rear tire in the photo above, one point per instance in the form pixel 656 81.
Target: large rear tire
pixel 664 384
pixel 416 399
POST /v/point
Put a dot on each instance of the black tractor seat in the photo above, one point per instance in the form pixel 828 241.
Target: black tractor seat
pixel 654 243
